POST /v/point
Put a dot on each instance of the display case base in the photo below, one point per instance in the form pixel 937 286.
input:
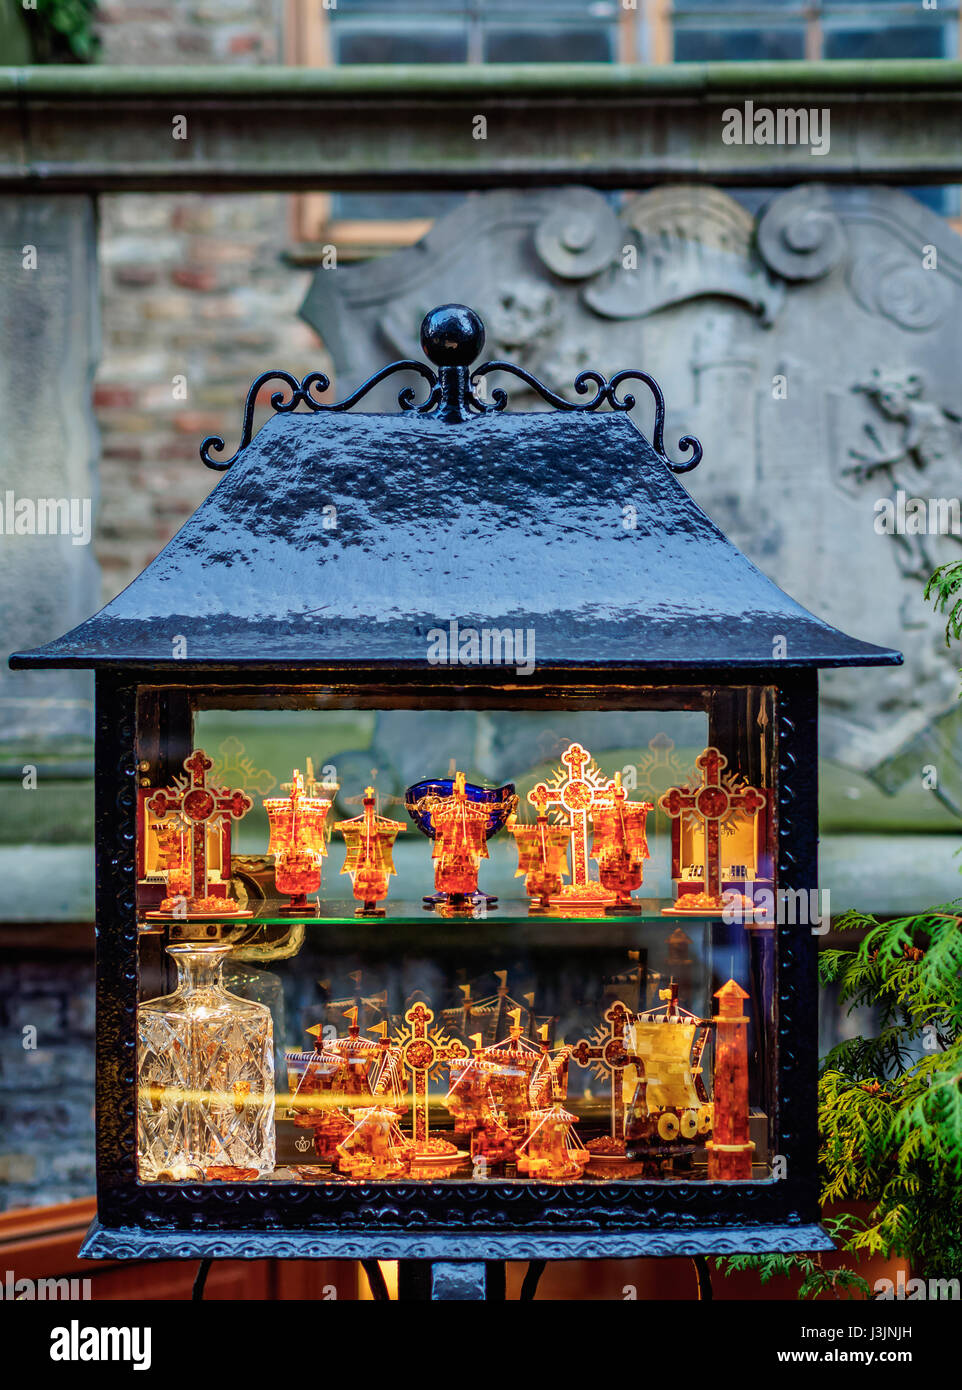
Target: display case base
pixel 102 1243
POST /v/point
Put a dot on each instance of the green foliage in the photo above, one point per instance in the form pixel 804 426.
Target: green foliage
pixel 890 1105
pixel 62 31
pixel 840 1283
pixel 945 590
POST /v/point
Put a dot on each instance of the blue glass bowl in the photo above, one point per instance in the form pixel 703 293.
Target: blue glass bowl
pixel 499 799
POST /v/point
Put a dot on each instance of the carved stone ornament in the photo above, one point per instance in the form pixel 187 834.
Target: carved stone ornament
pixel 812 349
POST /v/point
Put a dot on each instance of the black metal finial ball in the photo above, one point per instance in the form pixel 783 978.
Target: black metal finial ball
pixel 452 335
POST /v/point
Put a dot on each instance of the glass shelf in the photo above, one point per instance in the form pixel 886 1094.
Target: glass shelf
pixel 409 922
pixel 511 912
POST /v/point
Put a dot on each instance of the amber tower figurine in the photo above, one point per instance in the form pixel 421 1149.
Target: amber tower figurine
pixel 730 1148
pixel 297 838
pixel 369 839
pixel 194 806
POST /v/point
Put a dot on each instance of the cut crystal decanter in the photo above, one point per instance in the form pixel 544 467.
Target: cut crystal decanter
pixel 206 1068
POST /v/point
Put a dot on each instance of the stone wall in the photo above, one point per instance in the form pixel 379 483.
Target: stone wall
pixel 194 301
pixel 46 1079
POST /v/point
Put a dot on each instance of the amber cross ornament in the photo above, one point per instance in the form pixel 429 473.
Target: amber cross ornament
pixel 607 1056
pixel 720 800
pixel 424 1051
pixel 199 806
pixel 576 795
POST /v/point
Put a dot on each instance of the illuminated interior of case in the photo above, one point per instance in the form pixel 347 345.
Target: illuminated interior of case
pixel 340 1018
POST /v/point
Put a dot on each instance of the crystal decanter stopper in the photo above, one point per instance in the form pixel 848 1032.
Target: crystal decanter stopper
pixel 206 1069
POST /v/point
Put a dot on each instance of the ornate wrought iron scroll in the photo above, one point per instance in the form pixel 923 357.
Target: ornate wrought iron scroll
pixel 302 393
pixel 606 391
pixel 452 335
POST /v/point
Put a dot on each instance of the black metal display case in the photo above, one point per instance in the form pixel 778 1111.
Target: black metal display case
pixel 311 580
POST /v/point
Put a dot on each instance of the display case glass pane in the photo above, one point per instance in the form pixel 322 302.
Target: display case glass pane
pixel 456 943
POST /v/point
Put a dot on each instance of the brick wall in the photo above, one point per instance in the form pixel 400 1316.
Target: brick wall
pixel 195 300
pixel 159 32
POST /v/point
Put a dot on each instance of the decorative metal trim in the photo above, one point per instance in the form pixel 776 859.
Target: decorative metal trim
pixel 607 391
pixel 795 1123
pixel 452 335
pixel 102 1244
pixel 302 394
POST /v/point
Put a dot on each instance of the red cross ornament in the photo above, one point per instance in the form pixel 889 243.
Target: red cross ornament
pixel 719 800
pixel 198 806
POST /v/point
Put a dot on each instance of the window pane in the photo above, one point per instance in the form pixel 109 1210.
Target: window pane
pixel 894 41
pixel 744 11
pixel 399 46
pixel 409 9
pixel 313 1069
pixel 547 45
pixel 738 45
pixel 391 207
pixel 550 10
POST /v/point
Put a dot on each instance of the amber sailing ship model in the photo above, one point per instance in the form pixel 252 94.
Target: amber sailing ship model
pixel 369 839
pixel 489 1098
pixel 667 1109
pixel 542 855
pixel 342 1077
pixel 297 838
pixel 620 844
pixel 460 818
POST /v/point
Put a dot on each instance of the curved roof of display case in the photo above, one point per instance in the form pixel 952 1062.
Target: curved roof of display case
pixel 357 540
